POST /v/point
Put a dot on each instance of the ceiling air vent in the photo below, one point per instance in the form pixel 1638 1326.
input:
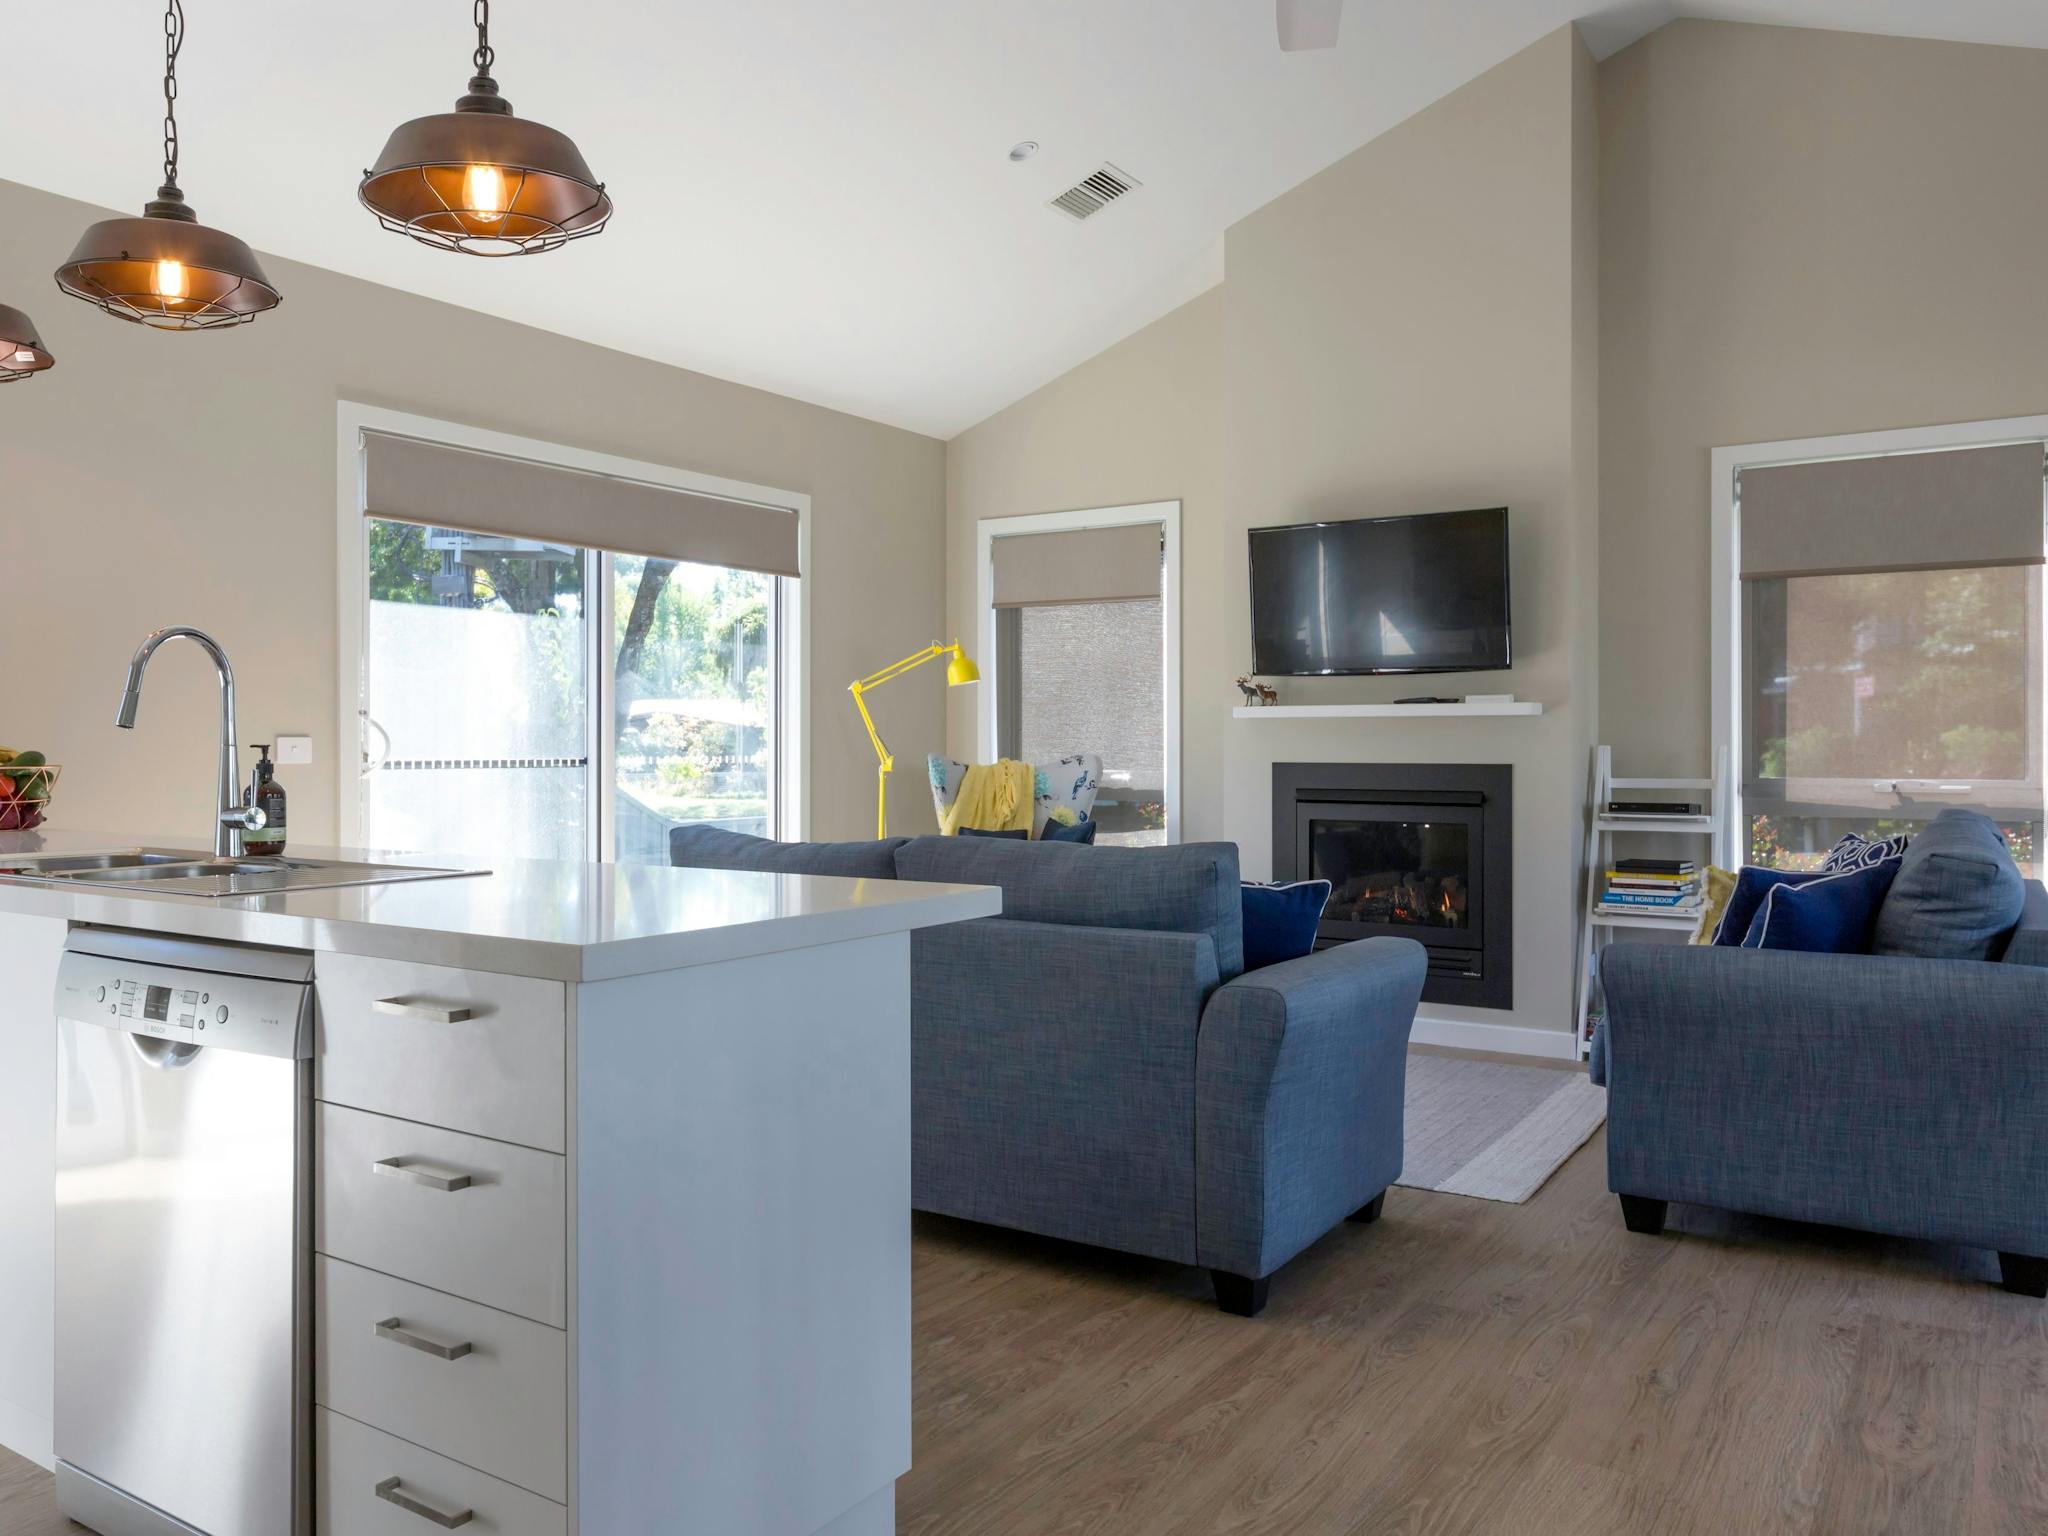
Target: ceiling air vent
pixel 1095 192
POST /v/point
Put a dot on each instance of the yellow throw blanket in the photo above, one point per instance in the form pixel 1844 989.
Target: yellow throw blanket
pixel 994 797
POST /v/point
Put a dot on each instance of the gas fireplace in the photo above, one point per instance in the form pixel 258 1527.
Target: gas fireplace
pixel 1419 851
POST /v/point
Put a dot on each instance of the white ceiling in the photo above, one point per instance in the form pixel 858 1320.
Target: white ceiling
pixel 814 196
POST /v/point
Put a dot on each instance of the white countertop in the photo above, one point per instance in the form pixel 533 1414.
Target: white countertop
pixel 532 917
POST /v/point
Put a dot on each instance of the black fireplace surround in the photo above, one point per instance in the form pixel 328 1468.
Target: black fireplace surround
pixel 1416 850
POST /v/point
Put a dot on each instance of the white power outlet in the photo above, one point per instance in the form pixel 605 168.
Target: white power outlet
pixel 292 749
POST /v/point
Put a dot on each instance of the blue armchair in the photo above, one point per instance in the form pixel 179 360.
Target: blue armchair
pixel 1096 1064
pixel 1884 1092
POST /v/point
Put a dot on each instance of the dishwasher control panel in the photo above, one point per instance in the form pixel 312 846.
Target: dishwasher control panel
pixel 265 1015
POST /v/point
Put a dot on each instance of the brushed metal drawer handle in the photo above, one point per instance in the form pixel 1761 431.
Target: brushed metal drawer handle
pixel 391 1493
pixel 420 1173
pixel 412 1008
pixel 397 1333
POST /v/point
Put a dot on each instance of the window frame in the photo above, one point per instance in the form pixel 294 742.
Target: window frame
pixel 1725 583
pixel 989 529
pixel 791 808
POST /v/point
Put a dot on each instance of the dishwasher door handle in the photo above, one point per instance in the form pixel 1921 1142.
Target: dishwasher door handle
pixel 391 1492
pixel 394 1330
pixel 421 1173
pixel 413 1008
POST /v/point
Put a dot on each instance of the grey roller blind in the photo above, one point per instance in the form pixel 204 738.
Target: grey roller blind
pixel 415 482
pixel 1083 565
pixel 1899 512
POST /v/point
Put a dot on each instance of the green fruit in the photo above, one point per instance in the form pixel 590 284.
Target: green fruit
pixel 28 759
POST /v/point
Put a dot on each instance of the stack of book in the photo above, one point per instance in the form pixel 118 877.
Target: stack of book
pixel 1652 885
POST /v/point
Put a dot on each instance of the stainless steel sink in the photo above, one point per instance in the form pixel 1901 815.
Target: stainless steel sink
pixel 181 872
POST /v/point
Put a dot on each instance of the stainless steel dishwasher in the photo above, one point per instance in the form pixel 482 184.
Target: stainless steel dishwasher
pixel 184 1211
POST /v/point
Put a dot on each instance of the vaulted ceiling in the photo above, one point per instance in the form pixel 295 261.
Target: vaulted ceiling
pixel 815 196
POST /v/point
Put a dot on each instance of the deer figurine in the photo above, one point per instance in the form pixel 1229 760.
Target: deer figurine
pixel 1256 693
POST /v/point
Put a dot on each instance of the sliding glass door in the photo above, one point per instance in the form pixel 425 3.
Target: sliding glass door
pixel 522 699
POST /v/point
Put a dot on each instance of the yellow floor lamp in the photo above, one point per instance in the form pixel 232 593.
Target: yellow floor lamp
pixel 959 670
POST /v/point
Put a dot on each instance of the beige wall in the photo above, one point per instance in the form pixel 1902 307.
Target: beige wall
pixel 1377 346
pixel 153 479
pixel 1803 233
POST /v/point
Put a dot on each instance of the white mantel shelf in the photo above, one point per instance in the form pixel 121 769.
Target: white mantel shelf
pixel 1381 711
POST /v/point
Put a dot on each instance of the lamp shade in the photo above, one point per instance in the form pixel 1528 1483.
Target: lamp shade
pixel 167 271
pixel 961 669
pixel 22 353
pixel 480 181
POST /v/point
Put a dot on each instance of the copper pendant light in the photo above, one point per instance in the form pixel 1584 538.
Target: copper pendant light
pixel 22 353
pixel 166 269
pixel 479 180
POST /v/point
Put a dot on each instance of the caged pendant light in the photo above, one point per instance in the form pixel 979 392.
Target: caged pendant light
pixel 479 180
pixel 22 353
pixel 166 269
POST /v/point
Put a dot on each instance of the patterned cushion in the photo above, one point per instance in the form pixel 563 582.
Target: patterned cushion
pixel 1859 852
pixel 1063 790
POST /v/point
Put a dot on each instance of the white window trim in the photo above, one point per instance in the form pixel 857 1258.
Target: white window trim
pixel 792 648
pixel 989 529
pixel 1725 591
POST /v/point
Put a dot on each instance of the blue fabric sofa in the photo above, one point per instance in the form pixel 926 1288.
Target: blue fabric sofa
pixel 1903 1092
pixel 1097 1065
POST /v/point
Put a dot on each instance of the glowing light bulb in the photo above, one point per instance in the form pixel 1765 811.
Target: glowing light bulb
pixel 170 280
pixel 483 193
pixel 24 356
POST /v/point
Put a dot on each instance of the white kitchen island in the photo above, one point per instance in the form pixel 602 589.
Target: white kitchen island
pixel 680 1103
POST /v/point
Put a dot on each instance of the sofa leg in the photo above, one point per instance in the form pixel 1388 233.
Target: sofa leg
pixel 1369 1212
pixel 2023 1276
pixel 1239 1295
pixel 1642 1214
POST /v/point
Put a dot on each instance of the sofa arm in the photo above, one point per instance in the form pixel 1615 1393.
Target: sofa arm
pixel 1881 1092
pixel 1300 1073
pixel 1053 1079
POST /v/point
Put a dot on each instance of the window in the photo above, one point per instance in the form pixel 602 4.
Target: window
pixel 482 697
pixel 1876 699
pixel 1080 627
pixel 1885 635
pixel 1089 677
pixel 518 694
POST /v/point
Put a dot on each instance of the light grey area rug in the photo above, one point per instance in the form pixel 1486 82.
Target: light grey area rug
pixel 1491 1129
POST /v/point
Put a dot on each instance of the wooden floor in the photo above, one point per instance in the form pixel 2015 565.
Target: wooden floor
pixel 1465 1367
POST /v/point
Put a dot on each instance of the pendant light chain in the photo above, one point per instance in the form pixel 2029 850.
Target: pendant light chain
pixel 174 39
pixel 486 56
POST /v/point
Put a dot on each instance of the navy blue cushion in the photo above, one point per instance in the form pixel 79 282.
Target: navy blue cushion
pixel 716 848
pixel 1958 894
pixel 1752 885
pixel 1018 833
pixel 1079 832
pixel 1831 914
pixel 1280 920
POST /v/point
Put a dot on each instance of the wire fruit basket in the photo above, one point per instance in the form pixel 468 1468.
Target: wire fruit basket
pixel 25 795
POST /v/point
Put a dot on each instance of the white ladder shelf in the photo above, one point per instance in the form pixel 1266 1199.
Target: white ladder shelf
pixel 1598 925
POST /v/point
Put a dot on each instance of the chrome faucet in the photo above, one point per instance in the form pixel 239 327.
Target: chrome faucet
pixel 231 818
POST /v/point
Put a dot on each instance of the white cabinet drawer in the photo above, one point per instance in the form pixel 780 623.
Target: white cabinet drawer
pixel 476 1218
pixel 471 1050
pixel 355 1462
pixel 382 1349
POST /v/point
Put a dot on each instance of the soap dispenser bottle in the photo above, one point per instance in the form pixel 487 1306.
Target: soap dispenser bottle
pixel 267 796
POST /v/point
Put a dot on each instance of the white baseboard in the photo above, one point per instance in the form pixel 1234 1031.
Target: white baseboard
pixel 26 1434
pixel 1514 1039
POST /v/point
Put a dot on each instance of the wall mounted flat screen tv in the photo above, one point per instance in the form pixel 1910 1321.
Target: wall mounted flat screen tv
pixel 1381 594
